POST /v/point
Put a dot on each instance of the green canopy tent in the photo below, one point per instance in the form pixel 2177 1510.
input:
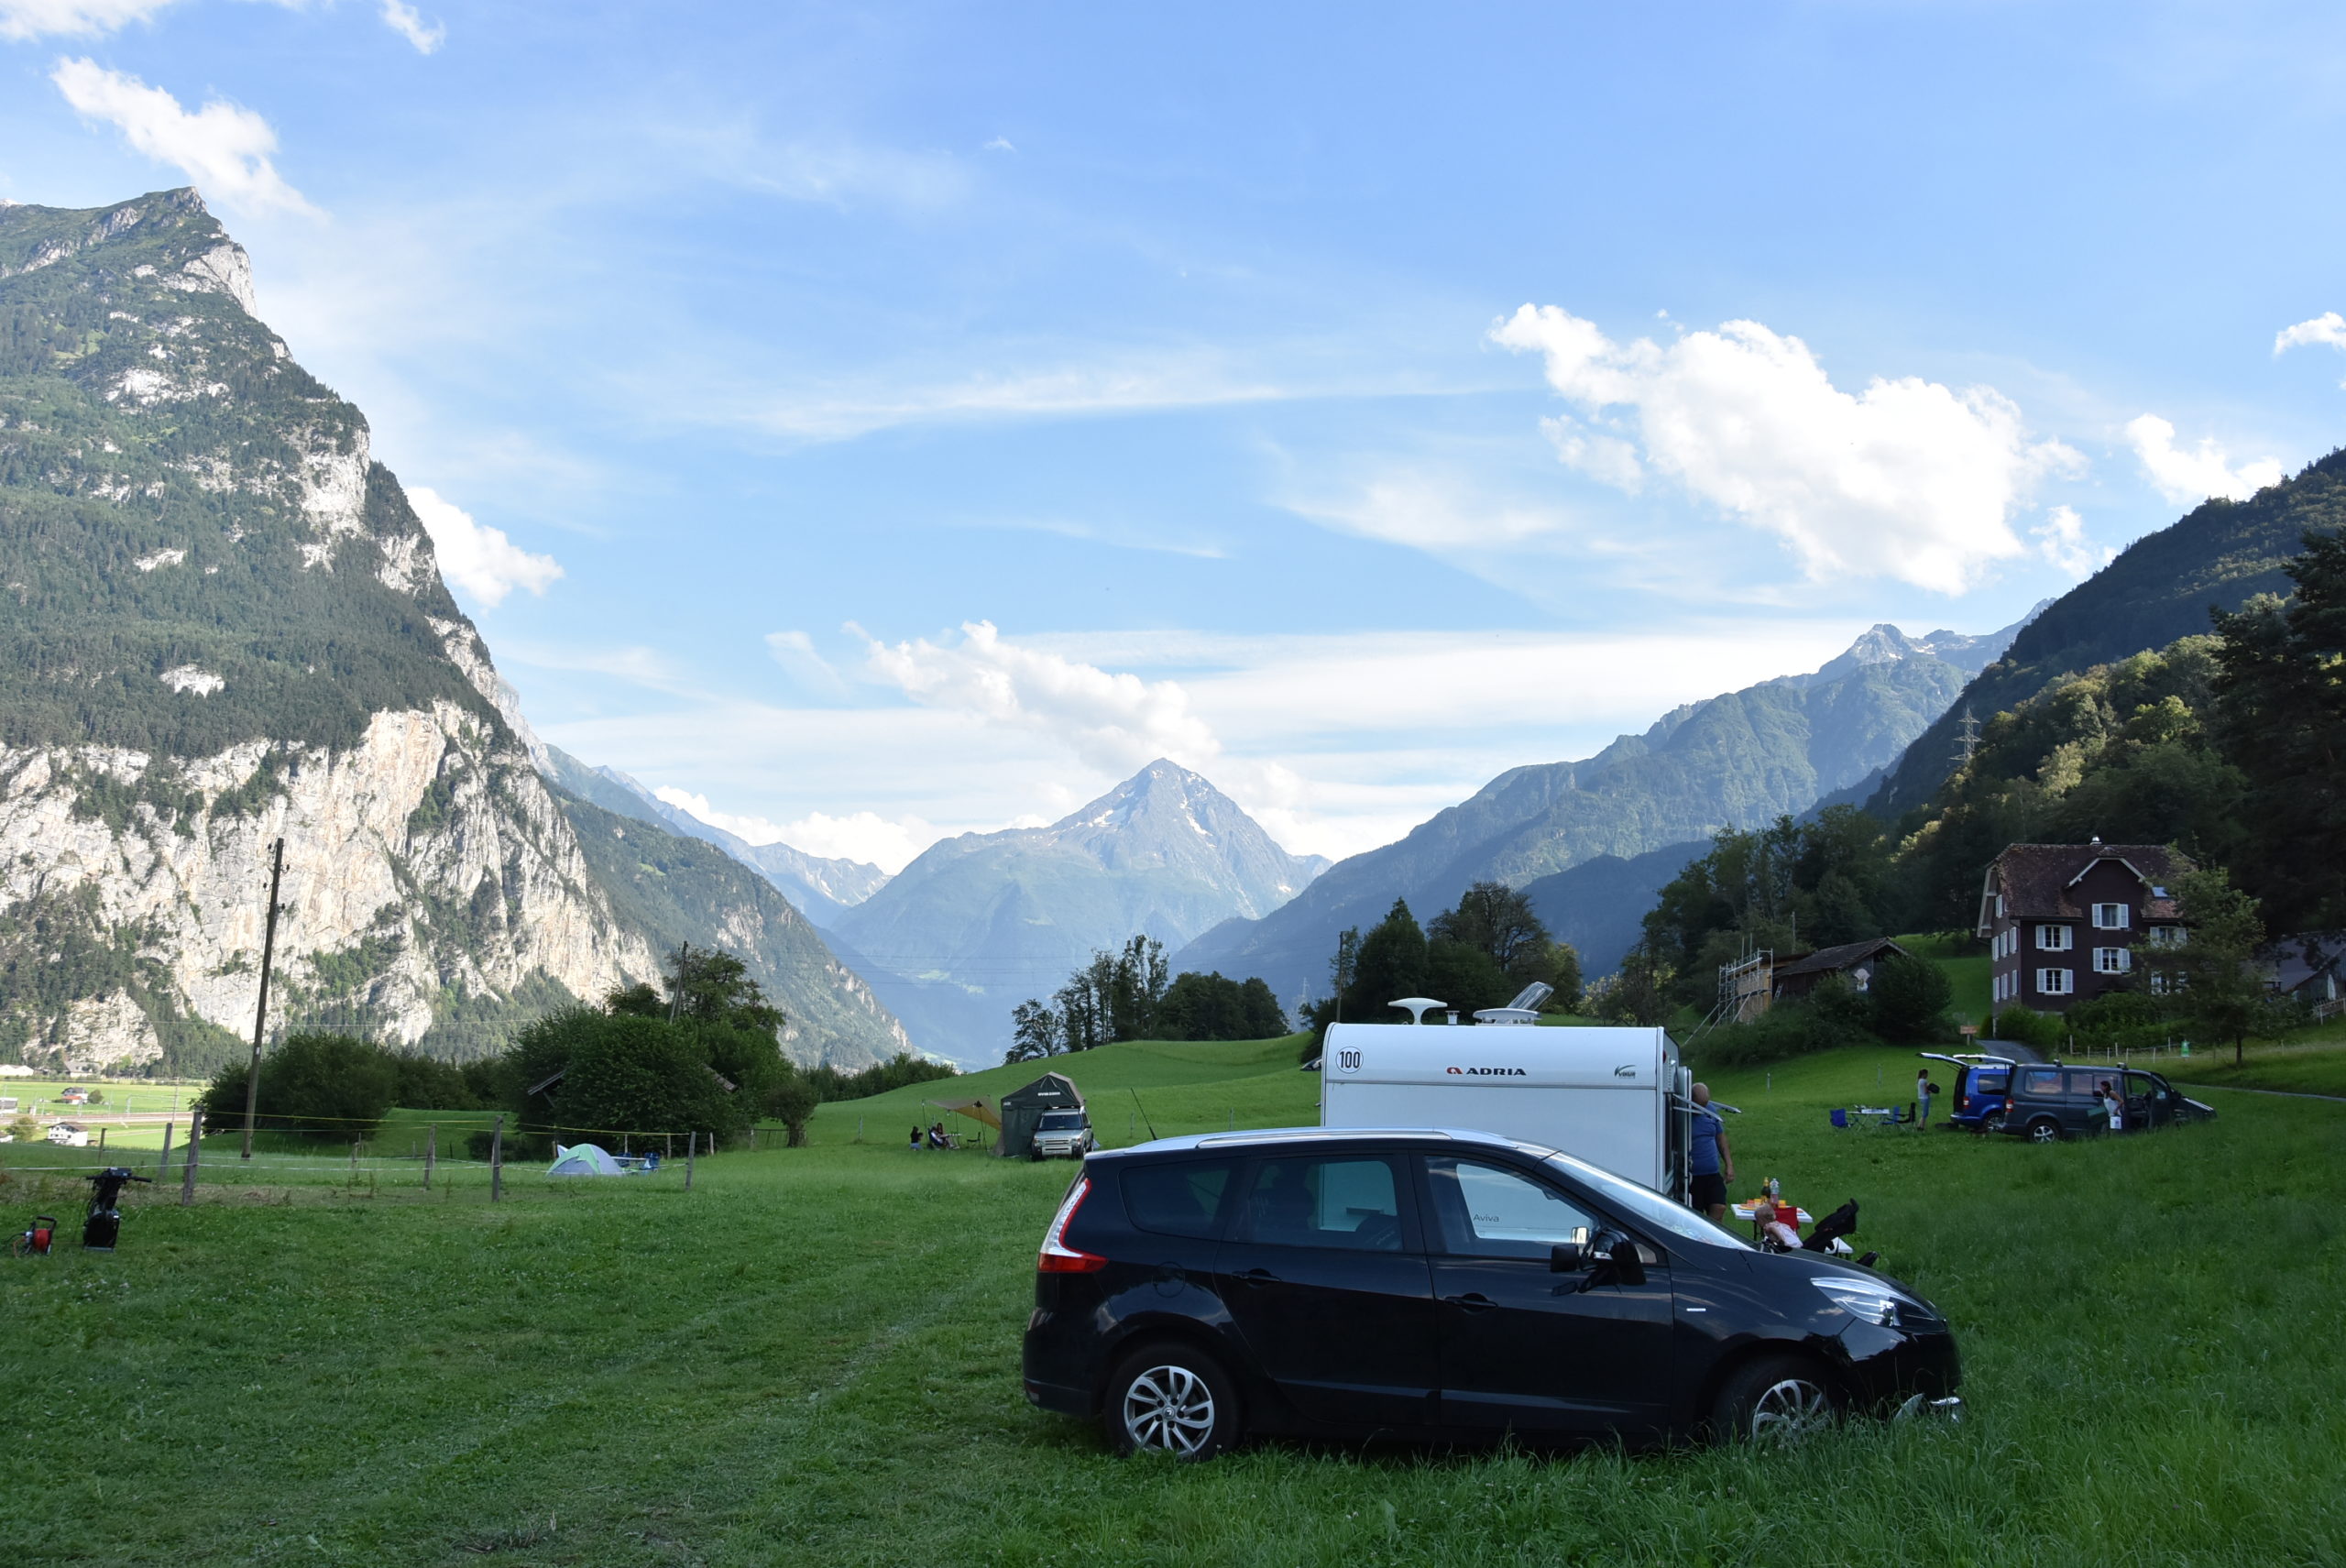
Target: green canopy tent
pixel 1022 1108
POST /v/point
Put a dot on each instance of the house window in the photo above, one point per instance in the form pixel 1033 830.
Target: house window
pixel 2163 982
pixel 2053 982
pixel 2166 936
pixel 2053 938
pixel 2112 960
pixel 1999 906
pixel 2111 917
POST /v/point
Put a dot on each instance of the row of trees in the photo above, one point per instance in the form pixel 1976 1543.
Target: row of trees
pixel 699 1053
pixel 1476 955
pixel 1126 994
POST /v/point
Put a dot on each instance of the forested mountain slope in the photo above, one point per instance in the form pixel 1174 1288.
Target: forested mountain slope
pixel 2218 555
pixel 224 625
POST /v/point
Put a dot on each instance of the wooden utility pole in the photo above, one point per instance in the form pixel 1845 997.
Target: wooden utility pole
pixel 260 1014
pixel 497 1163
pixel 676 992
pixel 194 1147
pixel 163 1165
pixel 430 1153
pixel 692 1141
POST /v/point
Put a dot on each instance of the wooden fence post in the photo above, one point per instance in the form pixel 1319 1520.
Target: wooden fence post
pixel 163 1165
pixel 431 1152
pixel 102 1140
pixel 354 1161
pixel 497 1163
pixel 754 1140
pixel 194 1147
pixel 692 1141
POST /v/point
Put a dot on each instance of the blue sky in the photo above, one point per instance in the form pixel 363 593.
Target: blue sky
pixel 932 414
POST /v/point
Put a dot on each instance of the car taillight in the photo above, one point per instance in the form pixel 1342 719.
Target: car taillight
pixel 1056 1256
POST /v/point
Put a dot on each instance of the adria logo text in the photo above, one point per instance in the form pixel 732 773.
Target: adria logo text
pixel 1488 1071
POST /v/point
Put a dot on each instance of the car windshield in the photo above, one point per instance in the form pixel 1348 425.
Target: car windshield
pixel 1648 1206
pixel 1063 1121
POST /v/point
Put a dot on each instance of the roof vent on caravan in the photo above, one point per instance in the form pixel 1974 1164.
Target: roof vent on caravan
pixel 1417 1007
pixel 1524 1009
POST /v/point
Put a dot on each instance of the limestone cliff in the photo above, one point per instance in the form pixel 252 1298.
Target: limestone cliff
pixel 222 624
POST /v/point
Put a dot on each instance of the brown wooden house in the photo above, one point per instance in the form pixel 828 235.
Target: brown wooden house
pixel 2061 920
pixel 1796 976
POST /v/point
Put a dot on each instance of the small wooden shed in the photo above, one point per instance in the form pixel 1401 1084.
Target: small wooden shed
pixel 1022 1108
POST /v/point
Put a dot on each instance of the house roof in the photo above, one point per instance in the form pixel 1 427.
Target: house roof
pixel 1826 960
pixel 2039 881
pixel 2305 956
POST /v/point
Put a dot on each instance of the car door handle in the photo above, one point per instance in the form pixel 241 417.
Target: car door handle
pixel 1473 1302
pixel 1258 1277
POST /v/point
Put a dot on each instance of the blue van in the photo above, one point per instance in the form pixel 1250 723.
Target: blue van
pixel 1983 1085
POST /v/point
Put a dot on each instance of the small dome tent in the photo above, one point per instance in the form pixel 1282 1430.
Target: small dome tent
pixel 1023 1108
pixel 583 1160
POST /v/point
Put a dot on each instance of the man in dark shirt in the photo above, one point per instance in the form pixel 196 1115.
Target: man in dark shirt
pixel 1713 1161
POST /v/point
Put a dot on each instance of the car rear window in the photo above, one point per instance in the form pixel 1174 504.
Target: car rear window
pixel 1177 1198
pixel 1989 1083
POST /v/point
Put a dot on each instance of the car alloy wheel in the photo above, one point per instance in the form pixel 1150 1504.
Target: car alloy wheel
pixel 1172 1401
pixel 1992 1123
pixel 1789 1409
pixel 1171 1410
pixel 2044 1132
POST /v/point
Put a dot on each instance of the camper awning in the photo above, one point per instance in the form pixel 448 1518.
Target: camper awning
pixel 976 1110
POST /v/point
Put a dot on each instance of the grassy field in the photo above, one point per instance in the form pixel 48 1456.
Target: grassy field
pixel 812 1357
pixel 1968 970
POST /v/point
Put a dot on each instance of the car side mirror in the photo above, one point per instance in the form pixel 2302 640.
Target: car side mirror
pixel 1628 1267
pixel 1568 1257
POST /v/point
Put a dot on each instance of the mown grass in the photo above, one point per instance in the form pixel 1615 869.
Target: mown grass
pixel 812 1357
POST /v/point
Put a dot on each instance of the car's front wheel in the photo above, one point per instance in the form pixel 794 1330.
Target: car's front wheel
pixel 1774 1399
pixel 1171 1400
pixel 2045 1130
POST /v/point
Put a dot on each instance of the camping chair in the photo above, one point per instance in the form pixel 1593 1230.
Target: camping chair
pixel 1841 1118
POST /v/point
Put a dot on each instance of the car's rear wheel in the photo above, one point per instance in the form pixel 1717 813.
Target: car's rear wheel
pixel 1775 1401
pixel 1171 1400
pixel 1993 1122
pixel 2045 1130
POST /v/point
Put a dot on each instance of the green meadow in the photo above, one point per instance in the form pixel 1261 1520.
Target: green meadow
pixel 812 1357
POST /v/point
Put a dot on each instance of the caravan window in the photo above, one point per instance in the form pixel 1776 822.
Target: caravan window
pixel 1485 1211
pixel 1182 1199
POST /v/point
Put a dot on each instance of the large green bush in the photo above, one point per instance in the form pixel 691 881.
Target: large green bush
pixel 1909 999
pixel 330 1087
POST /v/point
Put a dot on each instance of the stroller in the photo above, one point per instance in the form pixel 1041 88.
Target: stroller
pixel 1829 1236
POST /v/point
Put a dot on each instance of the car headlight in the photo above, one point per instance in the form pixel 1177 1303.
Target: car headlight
pixel 1871 1301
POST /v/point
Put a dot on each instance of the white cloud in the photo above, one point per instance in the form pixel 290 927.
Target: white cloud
pixel 795 652
pixel 71 18
pixel 998 144
pixel 861 836
pixel 221 148
pixel 408 22
pixel 2186 477
pixel 2061 539
pixel 481 561
pixel 2328 328
pixel 1430 513
pixel 1115 722
pixel 1179 381
pixel 1909 478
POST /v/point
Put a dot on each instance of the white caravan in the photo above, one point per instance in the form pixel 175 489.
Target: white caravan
pixel 1614 1097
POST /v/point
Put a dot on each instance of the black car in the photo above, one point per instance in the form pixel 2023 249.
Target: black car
pixel 1337 1282
pixel 2052 1101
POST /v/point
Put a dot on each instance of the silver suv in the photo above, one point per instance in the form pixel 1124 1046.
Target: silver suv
pixel 1063 1135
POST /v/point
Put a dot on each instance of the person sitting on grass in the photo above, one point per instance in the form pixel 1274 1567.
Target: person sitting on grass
pixel 916 1138
pixel 1710 1162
